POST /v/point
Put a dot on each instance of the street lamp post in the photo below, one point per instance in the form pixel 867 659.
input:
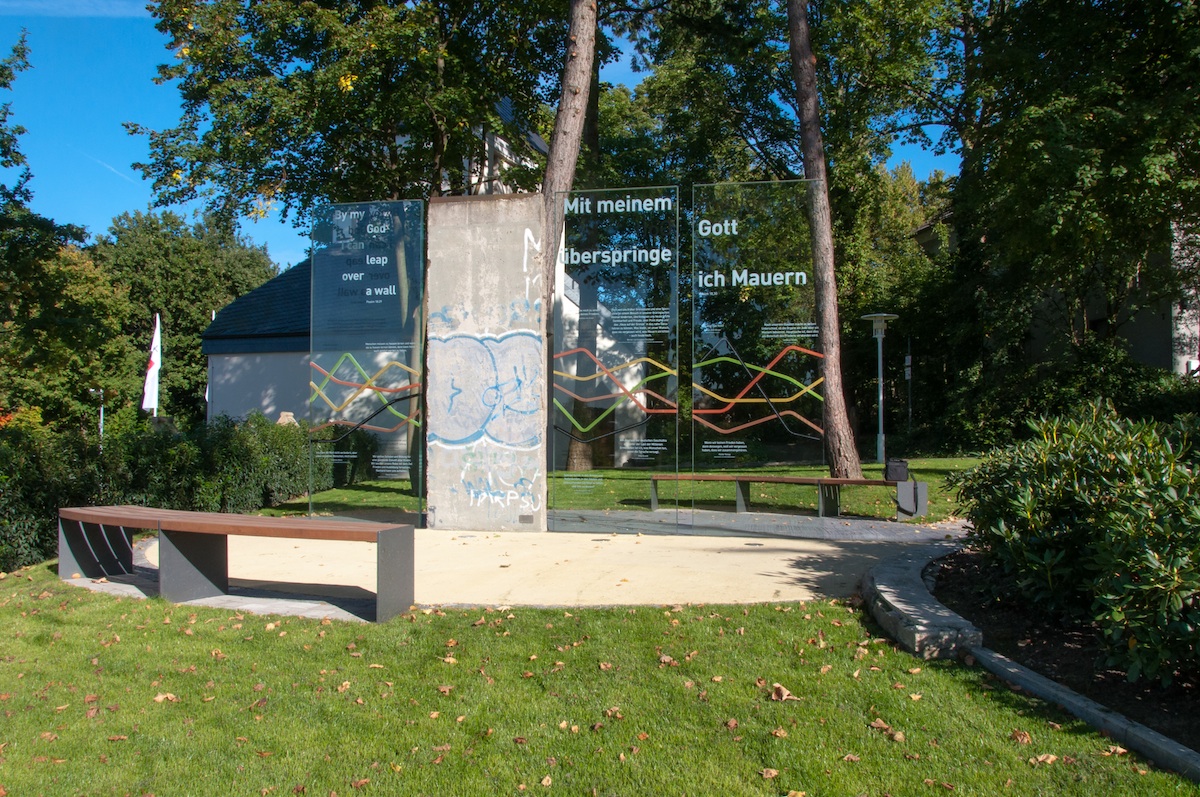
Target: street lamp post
pixel 100 390
pixel 879 322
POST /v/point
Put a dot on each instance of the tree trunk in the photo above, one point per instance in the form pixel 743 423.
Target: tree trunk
pixel 563 158
pixel 568 133
pixel 839 439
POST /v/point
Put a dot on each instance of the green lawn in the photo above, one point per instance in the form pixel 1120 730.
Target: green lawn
pixel 103 696
pixel 630 489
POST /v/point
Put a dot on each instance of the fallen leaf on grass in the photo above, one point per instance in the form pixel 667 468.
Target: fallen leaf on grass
pixel 1114 749
pixel 779 733
pixel 358 784
pixel 546 781
pixel 769 773
pixel 165 697
pixel 780 692
pixel 1020 737
pixel 445 690
pixel 118 738
pixel 851 757
pixel 1044 758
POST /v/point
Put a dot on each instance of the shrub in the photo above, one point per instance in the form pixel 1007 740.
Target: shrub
pixel 223 466
pixel 39 471
pixel 1099 516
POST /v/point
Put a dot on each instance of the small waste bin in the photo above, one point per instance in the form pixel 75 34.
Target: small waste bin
pixel 896 470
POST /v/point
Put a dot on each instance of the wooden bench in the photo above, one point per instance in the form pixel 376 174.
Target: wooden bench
pixel 912 498
pixel 193 548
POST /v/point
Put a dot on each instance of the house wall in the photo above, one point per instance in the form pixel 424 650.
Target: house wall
pixel 271 383
pixel 486 364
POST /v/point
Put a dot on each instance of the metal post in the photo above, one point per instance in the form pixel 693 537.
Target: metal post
pixel 879 322
pixel 879 454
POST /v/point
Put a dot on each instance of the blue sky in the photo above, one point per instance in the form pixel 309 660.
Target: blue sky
pixel 93 64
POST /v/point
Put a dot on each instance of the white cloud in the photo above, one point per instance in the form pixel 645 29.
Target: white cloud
pixel 73 8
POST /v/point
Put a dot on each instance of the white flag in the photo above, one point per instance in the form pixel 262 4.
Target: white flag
pixel 150 393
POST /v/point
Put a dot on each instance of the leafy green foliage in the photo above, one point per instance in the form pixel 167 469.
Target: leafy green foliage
pixel 39 472
pixel 183 272
pixel 1099 515
pixel 1091 157
pixel 218 467
pixel 298 104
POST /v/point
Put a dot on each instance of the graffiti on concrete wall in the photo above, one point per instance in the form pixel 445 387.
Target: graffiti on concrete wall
pixel 489 388
pixel 498 478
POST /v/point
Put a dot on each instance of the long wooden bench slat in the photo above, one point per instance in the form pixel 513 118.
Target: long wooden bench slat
pixel 194 553
pixel 689 477
pixel 237 525
pixel 812 481
pixel 910 500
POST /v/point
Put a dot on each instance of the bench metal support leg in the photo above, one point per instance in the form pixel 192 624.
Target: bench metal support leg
pixel 92 550
pixel 192 566
pixel 653 495
pixel 742 489
pixel 829 500
pixel 912 500
pixel 395 573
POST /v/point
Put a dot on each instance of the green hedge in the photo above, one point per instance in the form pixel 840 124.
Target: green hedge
pixel 1099 516
pixel 223 466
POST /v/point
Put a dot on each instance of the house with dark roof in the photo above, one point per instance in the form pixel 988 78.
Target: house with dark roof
pixel 258 349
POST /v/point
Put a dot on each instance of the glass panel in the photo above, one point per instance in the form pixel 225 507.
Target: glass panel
pixel 616 353
pixel 756 391
pixel 368 283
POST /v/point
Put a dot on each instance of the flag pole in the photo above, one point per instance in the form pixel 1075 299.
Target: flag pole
pixel 150 391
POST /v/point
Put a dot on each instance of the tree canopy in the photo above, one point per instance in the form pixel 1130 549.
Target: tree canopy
pixel 294 104
pixel 184 272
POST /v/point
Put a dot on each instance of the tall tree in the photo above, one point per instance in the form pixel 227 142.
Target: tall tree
pixel 55 308
pixel 839 438
pixel 184 272
pixel 1091 159
pixel 297 104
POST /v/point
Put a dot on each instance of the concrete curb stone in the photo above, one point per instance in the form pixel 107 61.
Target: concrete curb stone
pixel 899 598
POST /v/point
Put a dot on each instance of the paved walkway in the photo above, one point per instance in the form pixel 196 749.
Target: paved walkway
pixel 620 558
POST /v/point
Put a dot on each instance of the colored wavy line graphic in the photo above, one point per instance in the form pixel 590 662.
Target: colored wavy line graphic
pixel 369 386
pixel 763 371
pixel 371 427
pixel 594 399
pixel 605 371
pixel 765 419
pixel 626 394
pixel 784 400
